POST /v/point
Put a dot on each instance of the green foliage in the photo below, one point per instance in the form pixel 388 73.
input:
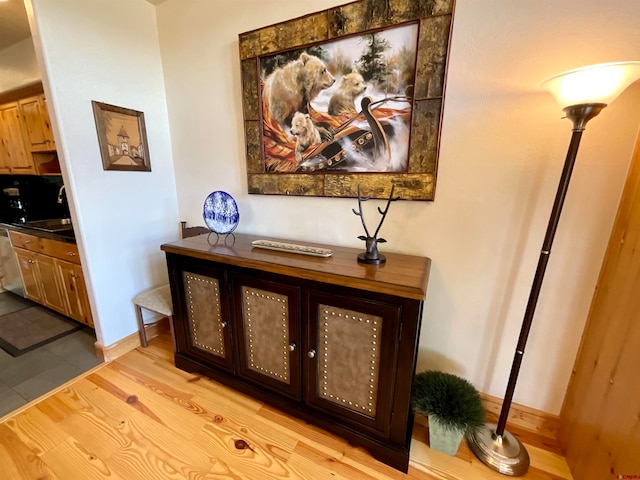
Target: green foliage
pixel 372 65
pixel 454 400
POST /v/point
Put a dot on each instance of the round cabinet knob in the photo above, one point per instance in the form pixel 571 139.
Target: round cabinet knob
pixel 292 347
pixel 312 353
pixel 224 324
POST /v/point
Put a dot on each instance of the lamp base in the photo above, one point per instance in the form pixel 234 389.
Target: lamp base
pixel 504 454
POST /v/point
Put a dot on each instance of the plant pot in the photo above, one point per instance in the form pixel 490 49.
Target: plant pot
pixel 445 440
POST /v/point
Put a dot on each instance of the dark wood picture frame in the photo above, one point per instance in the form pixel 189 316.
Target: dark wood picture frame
pixel 434 18
pixel 122 137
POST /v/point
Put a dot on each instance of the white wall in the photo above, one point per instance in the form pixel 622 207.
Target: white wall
pixel 109 52
pixel 18 65
pixel 503 146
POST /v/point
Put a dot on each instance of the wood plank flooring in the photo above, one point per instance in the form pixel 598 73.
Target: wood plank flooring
pixel 139 417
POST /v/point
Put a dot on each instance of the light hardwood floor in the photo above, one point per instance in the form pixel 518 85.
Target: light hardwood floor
pixel 139 417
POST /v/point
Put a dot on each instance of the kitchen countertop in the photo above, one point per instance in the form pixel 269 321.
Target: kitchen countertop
pixel 68 235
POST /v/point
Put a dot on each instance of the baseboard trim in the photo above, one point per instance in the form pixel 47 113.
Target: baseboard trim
pixel 543 423
pixel 109 353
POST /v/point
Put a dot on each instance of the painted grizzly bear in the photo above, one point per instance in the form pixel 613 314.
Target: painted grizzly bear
pixel 342 102
pixel 289 89
pixel 306 133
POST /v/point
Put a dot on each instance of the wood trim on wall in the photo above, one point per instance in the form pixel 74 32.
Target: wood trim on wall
pixel 600 419
pixel 542 423
pixel 109 353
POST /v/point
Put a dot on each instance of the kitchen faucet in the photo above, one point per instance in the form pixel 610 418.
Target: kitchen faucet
pixel 60 194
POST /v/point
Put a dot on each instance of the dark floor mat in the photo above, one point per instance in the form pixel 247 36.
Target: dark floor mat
pixel 10 302
pixel 31 328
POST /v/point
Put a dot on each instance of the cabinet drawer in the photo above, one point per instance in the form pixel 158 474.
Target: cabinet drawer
pixel 61 250
pixel 23 240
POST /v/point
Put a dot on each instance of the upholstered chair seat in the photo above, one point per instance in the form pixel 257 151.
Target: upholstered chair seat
pixel 158 299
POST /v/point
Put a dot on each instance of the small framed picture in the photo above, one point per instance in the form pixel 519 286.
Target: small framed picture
pixel 122 137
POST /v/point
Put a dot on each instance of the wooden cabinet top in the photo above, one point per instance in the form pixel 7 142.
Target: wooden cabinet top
pixel 402 275
pixel 46 246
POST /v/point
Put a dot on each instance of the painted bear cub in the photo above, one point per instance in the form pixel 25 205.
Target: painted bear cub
pixel 342 102
pixel 306 133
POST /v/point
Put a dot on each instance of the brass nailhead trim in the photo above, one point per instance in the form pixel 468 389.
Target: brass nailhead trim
pixel 257 295
pixel 194 321
pixel 328 315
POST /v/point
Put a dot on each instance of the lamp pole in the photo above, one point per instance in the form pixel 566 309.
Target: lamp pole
pixel 492 444
pixel 586 91
pixel 579 115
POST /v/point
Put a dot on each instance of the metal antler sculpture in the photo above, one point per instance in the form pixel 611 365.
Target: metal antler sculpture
pixel 371 256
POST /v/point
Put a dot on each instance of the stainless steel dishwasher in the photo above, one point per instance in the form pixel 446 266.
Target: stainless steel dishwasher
pixel 10 278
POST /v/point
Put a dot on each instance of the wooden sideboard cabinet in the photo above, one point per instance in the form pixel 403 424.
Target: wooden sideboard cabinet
pixel 329 340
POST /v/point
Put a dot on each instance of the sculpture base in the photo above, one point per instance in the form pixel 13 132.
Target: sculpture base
pixel 362 258
pixel 505 454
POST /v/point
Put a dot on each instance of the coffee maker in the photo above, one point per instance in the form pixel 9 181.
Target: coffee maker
pixel 14 205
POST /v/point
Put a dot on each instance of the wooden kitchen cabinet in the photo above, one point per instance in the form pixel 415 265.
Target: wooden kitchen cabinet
pixel 5 159
pixel 36 125
pixel 50 284
pixel 52 275
pixel 329 340
pixel 29 273
pixel 41 281
pixel 16 158
pixel 25 241
pixel 74 291
pixel 27 145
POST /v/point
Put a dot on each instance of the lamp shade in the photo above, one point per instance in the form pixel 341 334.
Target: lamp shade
pixel 600 83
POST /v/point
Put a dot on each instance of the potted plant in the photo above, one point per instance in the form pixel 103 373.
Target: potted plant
pixel 452 404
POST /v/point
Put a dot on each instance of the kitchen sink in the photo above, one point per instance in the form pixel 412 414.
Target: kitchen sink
pixel 53 225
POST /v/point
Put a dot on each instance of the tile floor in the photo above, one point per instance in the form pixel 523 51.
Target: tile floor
pixel 34 373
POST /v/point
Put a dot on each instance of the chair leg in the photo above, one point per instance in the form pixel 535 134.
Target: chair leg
pixel 141 330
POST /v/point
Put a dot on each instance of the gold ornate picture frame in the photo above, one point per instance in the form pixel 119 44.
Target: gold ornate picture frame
pixel 426 95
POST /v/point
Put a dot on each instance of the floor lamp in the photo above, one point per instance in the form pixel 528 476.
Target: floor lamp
pixel 582 93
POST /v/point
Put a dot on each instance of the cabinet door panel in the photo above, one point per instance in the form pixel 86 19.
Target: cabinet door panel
pixel 202 321
pixel 75 291
pixel 267 317
pixel 19 159
pixel 32 121
pixel 5 158
pixel 351 370
pixel 52 296
pixel 27 266
pixel 46 121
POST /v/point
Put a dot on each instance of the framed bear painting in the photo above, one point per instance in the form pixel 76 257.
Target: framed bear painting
pixel 350 96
